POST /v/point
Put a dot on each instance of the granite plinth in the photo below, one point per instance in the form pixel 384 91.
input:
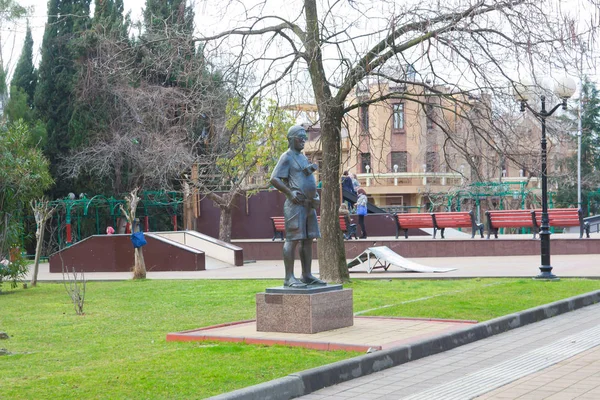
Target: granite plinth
pixel 304 312
pixel 311 289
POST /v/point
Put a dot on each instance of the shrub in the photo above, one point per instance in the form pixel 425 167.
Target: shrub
pixel 13 271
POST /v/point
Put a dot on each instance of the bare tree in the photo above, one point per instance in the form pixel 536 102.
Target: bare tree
pixel 42 211
pixel 183 117
pixel 75 285
pixel 139 266
pixel 471 47
pixel 236 165
pixel 148 109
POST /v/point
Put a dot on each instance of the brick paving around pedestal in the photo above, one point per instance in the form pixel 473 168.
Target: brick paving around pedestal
pixel 374 333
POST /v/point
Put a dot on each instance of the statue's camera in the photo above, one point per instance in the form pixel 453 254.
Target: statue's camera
pixel 309 169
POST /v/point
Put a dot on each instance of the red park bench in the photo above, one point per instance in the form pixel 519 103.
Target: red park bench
pixel 279 227
pixel 405 221
pixel 510 219
pixel 455 219
pixel 565 217
pixel 438 221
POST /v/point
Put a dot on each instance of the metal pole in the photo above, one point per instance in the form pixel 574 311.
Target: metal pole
pixel 579 132
pixel 545 268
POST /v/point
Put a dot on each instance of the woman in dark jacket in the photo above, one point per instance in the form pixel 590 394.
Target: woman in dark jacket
pixel 348 185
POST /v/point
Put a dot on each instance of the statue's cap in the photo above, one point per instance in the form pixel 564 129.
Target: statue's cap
pixel 295 131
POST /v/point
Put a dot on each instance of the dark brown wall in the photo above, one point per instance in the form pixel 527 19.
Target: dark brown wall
pixel 114 253
pixel 251 220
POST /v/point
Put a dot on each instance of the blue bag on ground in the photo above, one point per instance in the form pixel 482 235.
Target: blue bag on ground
pixel 138 240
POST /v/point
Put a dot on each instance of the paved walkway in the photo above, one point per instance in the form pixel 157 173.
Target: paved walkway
pixel 558 358
pixel 581 265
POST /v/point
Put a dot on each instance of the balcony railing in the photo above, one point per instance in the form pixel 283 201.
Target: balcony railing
pixel 411 179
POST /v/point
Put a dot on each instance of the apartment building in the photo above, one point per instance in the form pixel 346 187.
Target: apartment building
pixel 419 150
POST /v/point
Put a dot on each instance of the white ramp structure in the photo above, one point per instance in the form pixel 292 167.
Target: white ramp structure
pixel 385 257
pixel 214 248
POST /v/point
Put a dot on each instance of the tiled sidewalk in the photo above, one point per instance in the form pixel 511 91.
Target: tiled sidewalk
pixel 577 377
pixel 511 365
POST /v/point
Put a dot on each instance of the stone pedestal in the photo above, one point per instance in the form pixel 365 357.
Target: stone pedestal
pixel 304 310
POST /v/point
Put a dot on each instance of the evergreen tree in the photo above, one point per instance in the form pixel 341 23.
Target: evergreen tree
pixel 108 16
pixel 91 116
pixel 167 43
pixel 67 19
pixel 22 91
pixel 17 109
pixel 590 153
pixel 25 75
pixel 171 13
pixel 3 92
pixel 590 129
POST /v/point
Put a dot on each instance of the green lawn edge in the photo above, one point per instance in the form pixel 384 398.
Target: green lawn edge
pixel 118 348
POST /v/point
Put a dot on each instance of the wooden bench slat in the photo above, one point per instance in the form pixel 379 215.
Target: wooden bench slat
pixel 510 219
pixel 564 217
pixel 438 221
pixel 408 221
pixel 455 219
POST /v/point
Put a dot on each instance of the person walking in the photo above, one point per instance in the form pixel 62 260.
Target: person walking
pixel 361 211
pixel 348 186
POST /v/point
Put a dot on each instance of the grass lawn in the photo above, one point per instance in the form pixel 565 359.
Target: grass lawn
pixel 118 349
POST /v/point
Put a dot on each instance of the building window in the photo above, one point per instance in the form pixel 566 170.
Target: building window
pixel 431 161
pixel 400 158
pixel 364 119
pixel 398 116
pixel 365 159
pixel 429 116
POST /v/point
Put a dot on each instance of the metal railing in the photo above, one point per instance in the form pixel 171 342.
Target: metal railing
pixel 411 179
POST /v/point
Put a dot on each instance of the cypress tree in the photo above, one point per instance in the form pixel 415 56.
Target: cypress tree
pixel 590 124
pixel 22 91
pixel 108 16
pixel 3 92
pixel 171 13
pixel 67 19
pixel 109 27
pixel 25 75
pixel 590 154
pixel 168 29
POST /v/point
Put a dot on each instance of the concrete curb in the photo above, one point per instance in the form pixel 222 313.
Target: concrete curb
pixel 305 382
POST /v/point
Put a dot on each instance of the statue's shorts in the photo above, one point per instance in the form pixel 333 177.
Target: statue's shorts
pixel 300 222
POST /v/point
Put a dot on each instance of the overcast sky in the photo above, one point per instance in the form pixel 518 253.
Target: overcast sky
pixel 208 17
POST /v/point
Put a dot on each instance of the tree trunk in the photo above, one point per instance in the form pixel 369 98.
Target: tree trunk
pixel 225 224
pixel 139 266
pixel 39 234
pixel 332 254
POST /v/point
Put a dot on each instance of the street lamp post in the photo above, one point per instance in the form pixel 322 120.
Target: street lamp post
pixel 564 89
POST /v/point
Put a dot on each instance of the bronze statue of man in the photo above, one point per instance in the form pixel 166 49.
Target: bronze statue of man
pixel 293 176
